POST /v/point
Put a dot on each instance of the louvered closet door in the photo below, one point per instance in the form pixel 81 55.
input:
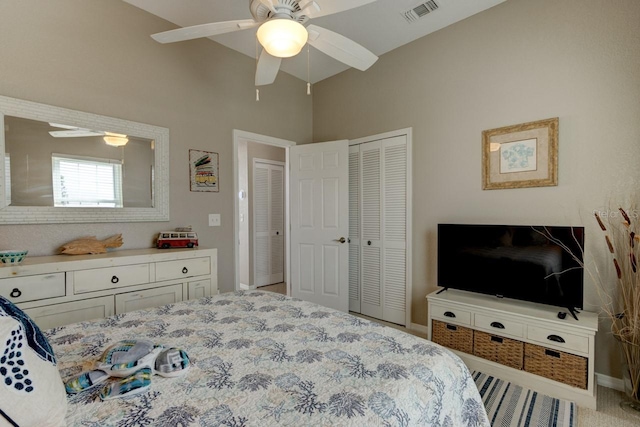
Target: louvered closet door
pixel 354 229
pixel 268 208
pixel 394 249
pixel 371 218
pixel 383 226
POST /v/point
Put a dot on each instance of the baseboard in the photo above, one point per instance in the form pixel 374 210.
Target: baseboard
pixel 423 329
pixel 246 287
pixel 610 382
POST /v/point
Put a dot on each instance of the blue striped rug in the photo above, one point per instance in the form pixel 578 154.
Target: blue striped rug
pixel 509 405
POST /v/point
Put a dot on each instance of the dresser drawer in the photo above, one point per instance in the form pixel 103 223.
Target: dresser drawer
pixel 98 279
pixel 499 326
pixel 32 288
pixel 170 270
pixel 452 315
pixel 552 338
pixel 148 298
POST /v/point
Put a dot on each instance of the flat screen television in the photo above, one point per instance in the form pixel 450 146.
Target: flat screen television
pixel 513 261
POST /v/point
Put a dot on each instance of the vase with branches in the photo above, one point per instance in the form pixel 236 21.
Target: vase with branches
pixel 620 291
pixel 621 302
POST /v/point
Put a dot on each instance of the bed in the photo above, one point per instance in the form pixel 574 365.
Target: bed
pixel 261 358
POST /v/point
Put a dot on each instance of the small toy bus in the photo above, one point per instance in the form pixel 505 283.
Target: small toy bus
pixel 177 239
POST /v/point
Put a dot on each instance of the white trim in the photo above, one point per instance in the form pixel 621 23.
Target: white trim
pixel 409 134
pixel 610 382
pixel 239 135
pixel 423 329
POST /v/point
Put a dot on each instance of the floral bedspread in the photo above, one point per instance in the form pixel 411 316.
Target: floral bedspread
pixel 261 358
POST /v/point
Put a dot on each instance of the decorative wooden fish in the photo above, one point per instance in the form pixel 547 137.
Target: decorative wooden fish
pixel 91 245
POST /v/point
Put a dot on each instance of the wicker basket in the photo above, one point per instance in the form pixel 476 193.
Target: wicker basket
pixel 452 336
pixel 556 365
pixel 498 349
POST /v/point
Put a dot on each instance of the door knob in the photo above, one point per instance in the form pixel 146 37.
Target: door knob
pixel 341 240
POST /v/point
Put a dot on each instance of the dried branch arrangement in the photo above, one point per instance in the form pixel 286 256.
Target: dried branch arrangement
pixel 622 301
pixel 619 293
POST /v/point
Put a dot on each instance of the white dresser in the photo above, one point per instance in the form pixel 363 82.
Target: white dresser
pixel 519 341
pixel 62 289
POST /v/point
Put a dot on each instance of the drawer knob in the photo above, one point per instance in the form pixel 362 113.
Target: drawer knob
pixel 115 279
pixel 449 314
pixel 556 338
pixel 185 270
pixel 15 293
pixel 497 325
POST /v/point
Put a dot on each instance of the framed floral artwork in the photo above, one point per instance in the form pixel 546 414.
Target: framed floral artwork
pixel 519 156
pixel 203 171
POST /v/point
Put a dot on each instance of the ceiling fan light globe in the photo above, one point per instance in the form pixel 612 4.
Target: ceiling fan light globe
pixel 116 141
pixel 282 38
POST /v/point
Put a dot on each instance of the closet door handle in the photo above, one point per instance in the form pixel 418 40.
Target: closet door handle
pixel 369 242
pixel 185 270
pixel 556 338
pixel 497 325
pixel 341 240
pixel 15 293
pixel 115 279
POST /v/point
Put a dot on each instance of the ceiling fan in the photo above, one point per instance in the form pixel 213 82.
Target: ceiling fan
pixel 110 138
pixel 282 34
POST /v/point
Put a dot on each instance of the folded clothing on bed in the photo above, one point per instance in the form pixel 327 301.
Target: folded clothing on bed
pixel 134 361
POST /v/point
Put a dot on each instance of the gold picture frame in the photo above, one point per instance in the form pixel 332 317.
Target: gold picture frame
pixel 520 156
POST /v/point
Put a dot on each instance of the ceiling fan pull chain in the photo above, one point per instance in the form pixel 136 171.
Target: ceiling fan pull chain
pixel 308 71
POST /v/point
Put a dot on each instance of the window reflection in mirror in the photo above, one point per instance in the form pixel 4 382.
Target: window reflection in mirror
pixel 52 164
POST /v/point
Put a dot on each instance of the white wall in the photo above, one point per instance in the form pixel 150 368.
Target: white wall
pixel 97 56
pixel 520 61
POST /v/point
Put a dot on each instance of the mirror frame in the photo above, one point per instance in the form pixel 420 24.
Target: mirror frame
pixel 56 215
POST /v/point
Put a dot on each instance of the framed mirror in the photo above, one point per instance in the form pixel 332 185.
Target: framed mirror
pixel 64 166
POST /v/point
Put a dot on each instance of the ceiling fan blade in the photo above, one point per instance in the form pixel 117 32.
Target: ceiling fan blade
pixel 74 133
pixel 341 48
pixel 269 4
pixel 203 30
pixel 267 69
pixel 308 8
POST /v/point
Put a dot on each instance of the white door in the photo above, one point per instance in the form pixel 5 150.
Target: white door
pixel 319 193
pixel 268 223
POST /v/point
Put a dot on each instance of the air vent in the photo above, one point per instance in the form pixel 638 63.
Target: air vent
pixel 420 11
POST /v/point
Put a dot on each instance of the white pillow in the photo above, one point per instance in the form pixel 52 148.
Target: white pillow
pixel 31 390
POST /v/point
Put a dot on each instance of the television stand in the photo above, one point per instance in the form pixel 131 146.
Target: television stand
pixel 521 342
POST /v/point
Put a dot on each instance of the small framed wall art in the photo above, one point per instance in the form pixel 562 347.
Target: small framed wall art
pixel 519 156
pixel 203 170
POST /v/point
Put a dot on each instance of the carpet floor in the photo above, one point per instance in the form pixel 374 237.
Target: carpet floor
pixel 510 405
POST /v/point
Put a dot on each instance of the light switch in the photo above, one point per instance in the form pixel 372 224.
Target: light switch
pixel 214 220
